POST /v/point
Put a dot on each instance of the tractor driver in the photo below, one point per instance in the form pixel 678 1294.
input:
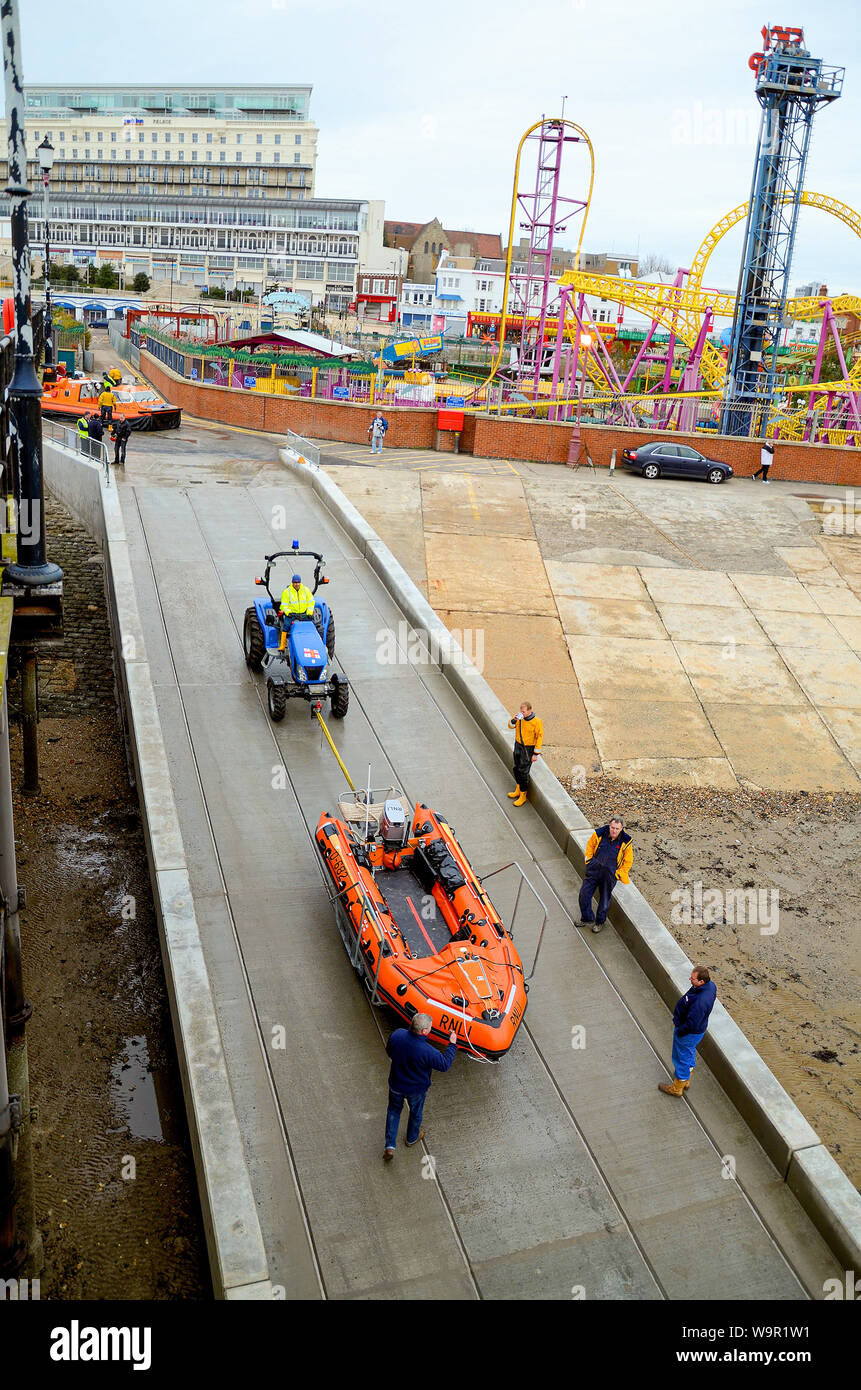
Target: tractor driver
pixel 297 601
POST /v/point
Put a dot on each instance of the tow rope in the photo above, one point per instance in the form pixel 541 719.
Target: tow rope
pixel 338 757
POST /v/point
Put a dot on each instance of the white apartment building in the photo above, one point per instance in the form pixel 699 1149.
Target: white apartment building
pixel 198 186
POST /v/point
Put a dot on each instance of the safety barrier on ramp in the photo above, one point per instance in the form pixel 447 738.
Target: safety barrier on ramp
pixel 237 1255
pixel 802 1160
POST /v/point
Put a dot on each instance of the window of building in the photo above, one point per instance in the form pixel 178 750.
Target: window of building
pixel 209 154
pixel 155 137
pixel 140 138
pixel 222 156
pixel 290 176
pixel 182 154
pixel 222 139
pixel 298 139
pixel 259 157
pixel 113 136
pixel 194 154
pixel 167 137
pixel 426 248
pixel 238 157
pixel 239 139
pixel 99 138
pixel 277 157
pixel 260 139
pixel 277 139
pixel 209 138
pixel 128 154
pixel 113 154
pixel 182 137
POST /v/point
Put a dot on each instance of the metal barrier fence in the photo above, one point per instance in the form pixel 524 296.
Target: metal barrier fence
pixel 96 450
pixel 300 445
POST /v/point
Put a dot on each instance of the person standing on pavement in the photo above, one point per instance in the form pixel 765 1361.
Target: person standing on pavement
pixel 122 430
pixel 107 401
pixel 690 1024
pixel 609 858
pixel 95 429
pixel 766 459
pixel 377 429
pixel 83 423
pixel 528 738
pixel 413 1061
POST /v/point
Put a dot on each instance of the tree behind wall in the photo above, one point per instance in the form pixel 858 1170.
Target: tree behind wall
pixel 141 283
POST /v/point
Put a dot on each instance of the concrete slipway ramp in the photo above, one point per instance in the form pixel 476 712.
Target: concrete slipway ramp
pixel 561 1172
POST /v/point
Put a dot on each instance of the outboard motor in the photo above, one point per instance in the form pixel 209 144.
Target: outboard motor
pixel 392 823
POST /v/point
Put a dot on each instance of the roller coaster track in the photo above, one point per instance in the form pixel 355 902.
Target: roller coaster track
pixel 680 310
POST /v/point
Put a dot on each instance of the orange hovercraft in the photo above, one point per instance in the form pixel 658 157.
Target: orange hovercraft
pixel 418 926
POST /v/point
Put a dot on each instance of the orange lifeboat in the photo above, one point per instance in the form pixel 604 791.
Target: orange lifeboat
pixel 418 926
pixel 66 398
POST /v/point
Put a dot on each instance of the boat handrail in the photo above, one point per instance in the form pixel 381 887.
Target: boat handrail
pixel 513 864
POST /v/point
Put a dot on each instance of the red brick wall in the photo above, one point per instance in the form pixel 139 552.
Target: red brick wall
pixel 486 436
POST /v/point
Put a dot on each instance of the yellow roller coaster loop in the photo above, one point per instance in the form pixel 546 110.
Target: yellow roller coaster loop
pixel 681 310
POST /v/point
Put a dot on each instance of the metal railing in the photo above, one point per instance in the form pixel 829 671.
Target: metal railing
pixel 310 452
pixel 96 450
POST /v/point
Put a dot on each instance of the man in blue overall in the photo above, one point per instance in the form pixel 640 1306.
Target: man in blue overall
pixel 413 1060
pixel 690 1019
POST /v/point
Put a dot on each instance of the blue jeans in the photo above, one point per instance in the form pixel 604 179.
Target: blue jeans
pixel 393 1117
pixel 685 1054
pixel 376 443
pixel 597 876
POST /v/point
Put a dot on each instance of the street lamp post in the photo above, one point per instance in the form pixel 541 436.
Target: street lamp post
pixel 31 569
pixel 45 151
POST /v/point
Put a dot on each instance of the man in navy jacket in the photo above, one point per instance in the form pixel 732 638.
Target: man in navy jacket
pixel 690 1020
pixel 413 1060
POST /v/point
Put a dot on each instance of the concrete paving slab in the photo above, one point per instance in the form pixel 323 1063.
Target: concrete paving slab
pixel 815 631
pixel 827 677
pixel 498 637
pixel 703 588
pixel 849 629
pixel 780 746
pixel 697 623
pixel 755 675
pixel 613 667
pixel 845 727
pixel 831 599
pixel 768 592
pixel 486 575
pixel 626 728
pixel 691 772
pixel 476 506
pixel 574 580
pixel 610 617
pixel 391 502
pixel 809 563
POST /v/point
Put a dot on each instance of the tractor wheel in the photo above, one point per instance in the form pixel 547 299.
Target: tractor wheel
pixel 330 635
pixel 276 698
pixel 340 700
pixel 253 640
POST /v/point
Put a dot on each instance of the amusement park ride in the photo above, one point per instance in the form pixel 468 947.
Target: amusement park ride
pixel 559 346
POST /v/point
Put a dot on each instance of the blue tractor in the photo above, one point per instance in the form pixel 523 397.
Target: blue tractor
pixel 294 652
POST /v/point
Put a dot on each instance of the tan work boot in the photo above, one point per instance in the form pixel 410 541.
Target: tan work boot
pixel 677 1088
pixel 521 799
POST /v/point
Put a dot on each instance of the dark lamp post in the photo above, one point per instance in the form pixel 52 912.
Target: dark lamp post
pixel 45 151
pixel 32 568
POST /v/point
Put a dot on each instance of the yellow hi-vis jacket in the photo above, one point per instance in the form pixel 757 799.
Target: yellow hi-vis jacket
pixel 529 732
pixel 299 600
pixel 83 427
pixel 625 856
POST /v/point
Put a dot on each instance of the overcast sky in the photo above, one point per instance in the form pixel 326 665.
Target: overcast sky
pixel 423 105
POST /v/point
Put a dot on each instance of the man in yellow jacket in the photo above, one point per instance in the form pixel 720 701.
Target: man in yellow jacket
pixel 107 401
pixel 609 857
pixel 297 601
pixel 528 738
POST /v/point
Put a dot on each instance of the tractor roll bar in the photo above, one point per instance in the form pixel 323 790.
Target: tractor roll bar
pixel 279 554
